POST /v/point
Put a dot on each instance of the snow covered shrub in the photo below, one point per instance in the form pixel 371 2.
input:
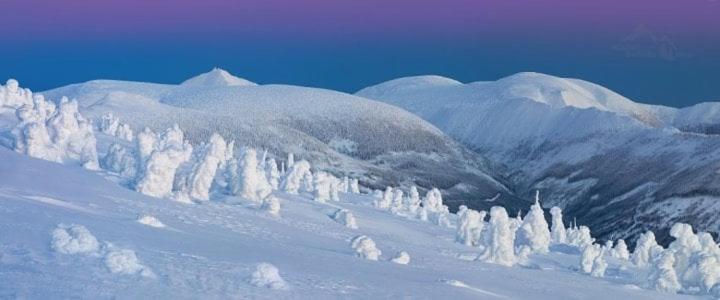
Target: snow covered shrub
pixel 211 156
pixel 355 186
pixel 271 205
pixel 120 160
pixel 558 233
pixel 295 176
pixel 11 95
pixel 267 276
pixel 645 249
pixel 273 174
pixel 402 258
pixel 111 125
pixel 621 250
pixel 124 261
pixel 322 184
pixel 253 184
pixel 662 275
pixel 345 217
pixel 534 231
pixel 169 152
pixel 73 239
pixel 60 135
pixel 470 226
pixel 150 221
pixel 365 248
pixel 500 239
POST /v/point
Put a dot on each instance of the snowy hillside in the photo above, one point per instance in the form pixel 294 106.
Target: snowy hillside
pixel 617 165
pixel 340 133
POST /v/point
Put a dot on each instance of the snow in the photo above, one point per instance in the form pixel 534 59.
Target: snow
pixel 150 221
pixel 401 258
pixel 216 77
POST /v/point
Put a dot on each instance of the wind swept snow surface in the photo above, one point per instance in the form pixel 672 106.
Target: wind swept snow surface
pixel 212 249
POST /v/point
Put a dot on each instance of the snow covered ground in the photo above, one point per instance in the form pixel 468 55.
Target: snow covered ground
pixel 211 250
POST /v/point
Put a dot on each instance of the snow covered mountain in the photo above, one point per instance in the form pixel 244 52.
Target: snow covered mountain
pixel 620 166
pixel 344 134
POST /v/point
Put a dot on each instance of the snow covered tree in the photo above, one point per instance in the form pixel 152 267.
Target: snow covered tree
pixel 111 125
pixel 120 160
pixel 271 205
pixel 11 95
pixel 345 217
pixel 433 201
pixel 397 202
pixel 253 183
pixel 322 184
pixel 621 250
pixel 205 170
pixel 290 160
pixel 685 245
pixel 295 176
pixel 60 135
pixel 385 201
pixel 345 186
pixel 335 188
pixel 580 237
pixel 559 235
pixel 599 265
pixel 645 249
pixel 534 231
pixel 587 259
pixel 412 202
pixel 662 275
pixel 500 239
pixel 355 186
pixel 158 173
pixel 273 174
pixel 470 226
pixel 365 248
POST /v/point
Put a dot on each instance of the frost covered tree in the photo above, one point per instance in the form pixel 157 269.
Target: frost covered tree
pixel 580 237
pixel 60 135
pixel 385 201
pixel 120 160
pixel 645 249
pixel 707 263
pixel 559 235
pixel 11 95
pixel 500 239
pixel 211 156
pixel 365 248
pixel 355 186
pixel 322 183
pixel 111 125
pixel 345 217
pixel 158 173
pixel 253 183
pixel 662 274
pixel 397 202
pixel 296 174
pixel 470 226
pixel 433 201
pixel 599 265
pixel 273 174
pixel 621 250
pixel 587 259
pixel 685 246
pixel 534 231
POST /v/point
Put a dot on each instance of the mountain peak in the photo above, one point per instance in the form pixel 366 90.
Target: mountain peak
pixel 217 77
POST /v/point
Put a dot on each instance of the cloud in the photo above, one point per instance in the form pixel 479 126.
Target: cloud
pixel 644 43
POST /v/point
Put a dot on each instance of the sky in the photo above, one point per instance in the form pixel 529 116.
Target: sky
pixel 653 51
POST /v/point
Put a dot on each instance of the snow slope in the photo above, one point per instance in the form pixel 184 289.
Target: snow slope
pixel 347 135
pixel 211 250
pixel 621 167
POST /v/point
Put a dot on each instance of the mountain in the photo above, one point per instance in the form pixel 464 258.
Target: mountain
pixel 216 77
pixel 341 133
pixel 620 166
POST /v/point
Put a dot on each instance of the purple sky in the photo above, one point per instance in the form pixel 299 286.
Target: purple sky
pixel 347 44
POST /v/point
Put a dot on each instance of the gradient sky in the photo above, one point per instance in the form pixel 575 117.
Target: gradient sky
pixel 654 51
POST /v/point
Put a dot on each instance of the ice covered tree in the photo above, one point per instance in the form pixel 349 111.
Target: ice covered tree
pixel 345 217
pixel 322 184
pixel 168 153
pixel 272 173
pixel 599 265
pixel 587 259
pixel 662 274
pixel 621 250
pixel 121 160
pixel 365 248
pixel 385 201
pixel 433 201
pixel 470 226
pixel 534 231
pixel 397 202
pixel 707 263
pixel 253 183
pixel 685 245
pixel 412 202
pixel 211 156
pixel 11 95
pixel 295 176
pixel 559 235
pixel 355 186
pixel 645 249
pixel 580 237
pixel 111 125
pixel 59 135
pixel 500 239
